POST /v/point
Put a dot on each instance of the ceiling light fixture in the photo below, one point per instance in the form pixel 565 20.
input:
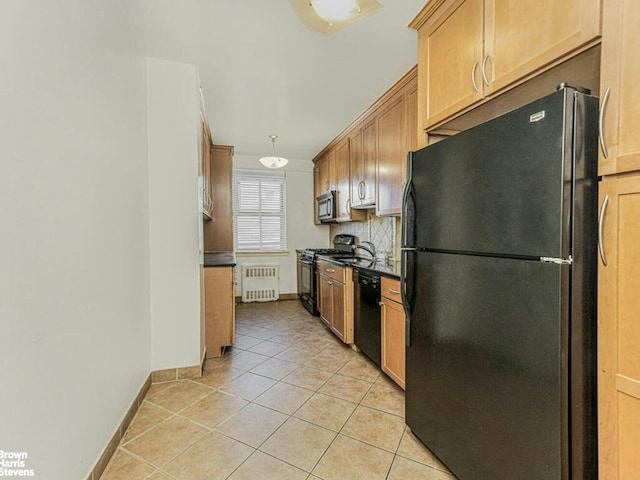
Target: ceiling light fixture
pixel 328 16
pixel 273 161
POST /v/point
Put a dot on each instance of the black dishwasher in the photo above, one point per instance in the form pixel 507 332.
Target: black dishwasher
pixel 367 313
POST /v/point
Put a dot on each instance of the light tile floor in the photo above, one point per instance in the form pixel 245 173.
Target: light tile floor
pixel 287 402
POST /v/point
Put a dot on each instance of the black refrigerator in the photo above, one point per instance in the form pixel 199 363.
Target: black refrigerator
pixel 499 237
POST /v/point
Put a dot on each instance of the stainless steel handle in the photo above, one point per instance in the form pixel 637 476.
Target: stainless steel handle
pixel 330 270
pixel 484 70
pixel 603 145
pixel 397 292
pixel 348 205
pixel 360 192
pixel 473 77
pixel 329 283
pixel 326 185
pixel 364 189
pixel 380 303
pixel 603 211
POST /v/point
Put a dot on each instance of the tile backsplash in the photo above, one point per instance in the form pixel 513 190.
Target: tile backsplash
pixel 381 231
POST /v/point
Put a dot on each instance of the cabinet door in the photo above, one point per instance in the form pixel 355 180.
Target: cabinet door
pixel 355 170
pixel 317 190
pixel 219 309
pixel 522 36
pixel 325 294
pixel 619 330
pixel 412 121
pixel 393 340
pixel 206 172
pixel 451 41
pixel 392 155
pixel 369 161
pixel 323 170
pixel 619 86
pixel 343 181
pixel 338 310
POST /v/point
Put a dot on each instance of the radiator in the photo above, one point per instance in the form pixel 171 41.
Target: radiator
pixel 260 283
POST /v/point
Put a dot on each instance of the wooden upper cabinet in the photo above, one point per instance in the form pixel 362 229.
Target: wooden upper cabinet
pixel 619 90
pixel 369 157
pixel 412 120
pixel 450 53
pixel 317 190
pixel 327 172
pixel 392 154
pixel 362 144
pixel 521 36
pixel 218 233
pixel 343 187
pixel 207 200
pixel 471 50
pixel 619 329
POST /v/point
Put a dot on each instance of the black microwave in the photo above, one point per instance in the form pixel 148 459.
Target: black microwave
pixel 326 204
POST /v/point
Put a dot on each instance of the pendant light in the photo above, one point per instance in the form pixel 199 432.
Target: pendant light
pixel 273 161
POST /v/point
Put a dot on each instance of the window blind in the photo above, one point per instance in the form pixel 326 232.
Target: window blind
pixel 259 211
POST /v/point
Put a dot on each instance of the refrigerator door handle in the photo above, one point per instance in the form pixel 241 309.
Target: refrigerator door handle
pixel 603 211
pixel 403 293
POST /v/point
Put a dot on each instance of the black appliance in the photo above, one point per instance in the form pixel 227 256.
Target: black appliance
pixel 326 205
pixel 499 278
pixel 367 313
pixel 307 272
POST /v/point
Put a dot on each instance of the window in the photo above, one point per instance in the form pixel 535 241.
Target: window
pixel 259 213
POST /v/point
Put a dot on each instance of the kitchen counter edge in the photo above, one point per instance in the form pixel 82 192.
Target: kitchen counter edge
pixel 219 259
pixel 389 270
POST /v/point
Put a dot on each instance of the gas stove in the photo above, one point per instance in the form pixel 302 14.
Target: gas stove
pixel 310 254
pixel 307 288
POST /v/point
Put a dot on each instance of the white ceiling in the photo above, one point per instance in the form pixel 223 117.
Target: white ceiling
pixel 263 71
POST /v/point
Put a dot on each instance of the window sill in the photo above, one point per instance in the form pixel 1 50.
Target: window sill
pixel 263 254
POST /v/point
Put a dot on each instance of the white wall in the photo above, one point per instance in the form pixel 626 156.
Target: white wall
pixel 174 130
pixel 74 295
pixel 301 231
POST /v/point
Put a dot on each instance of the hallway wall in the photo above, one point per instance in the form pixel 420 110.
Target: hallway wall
pixel 74 249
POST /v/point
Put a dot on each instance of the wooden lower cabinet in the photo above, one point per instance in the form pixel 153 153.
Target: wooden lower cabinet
pixel 393 331
pixel 335 293
pixel 619 329
pixel 220 310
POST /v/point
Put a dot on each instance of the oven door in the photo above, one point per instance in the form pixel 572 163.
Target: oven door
pixel 306 284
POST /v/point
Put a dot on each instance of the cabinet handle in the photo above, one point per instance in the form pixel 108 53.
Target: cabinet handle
pixel 360 194
pixel 473 77
pixel 331 270
pixel 603 145
pixel 348 205
pixel 326 185
pixel 484 70
pixel 397 292
pixel 603 211
pixel 364 189
pixel 380 303
pixel 329 283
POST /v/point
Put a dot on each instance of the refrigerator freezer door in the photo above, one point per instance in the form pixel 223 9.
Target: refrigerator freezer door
pixel 485 376
pixel 499 188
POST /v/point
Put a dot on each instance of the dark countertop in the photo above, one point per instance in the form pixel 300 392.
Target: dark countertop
pixel 391 269
pixel 219 259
